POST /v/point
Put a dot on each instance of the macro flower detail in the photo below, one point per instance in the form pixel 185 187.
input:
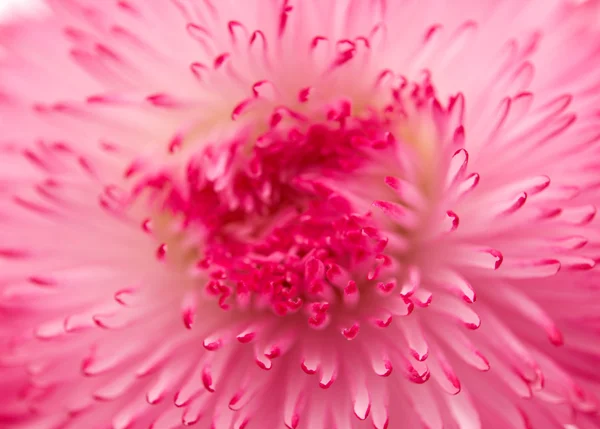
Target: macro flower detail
pixel 299 213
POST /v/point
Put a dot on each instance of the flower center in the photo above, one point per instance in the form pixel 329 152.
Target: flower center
pixel 309 217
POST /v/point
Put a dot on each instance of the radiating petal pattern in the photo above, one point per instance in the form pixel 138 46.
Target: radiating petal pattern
pixel 300 213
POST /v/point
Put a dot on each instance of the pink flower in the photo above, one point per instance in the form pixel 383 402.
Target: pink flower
pixel 318 214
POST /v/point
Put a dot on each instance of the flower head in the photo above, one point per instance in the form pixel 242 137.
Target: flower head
pixel 317 214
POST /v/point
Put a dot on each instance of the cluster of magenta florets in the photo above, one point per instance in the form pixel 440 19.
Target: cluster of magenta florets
pixel 308 246
pixel 281 230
